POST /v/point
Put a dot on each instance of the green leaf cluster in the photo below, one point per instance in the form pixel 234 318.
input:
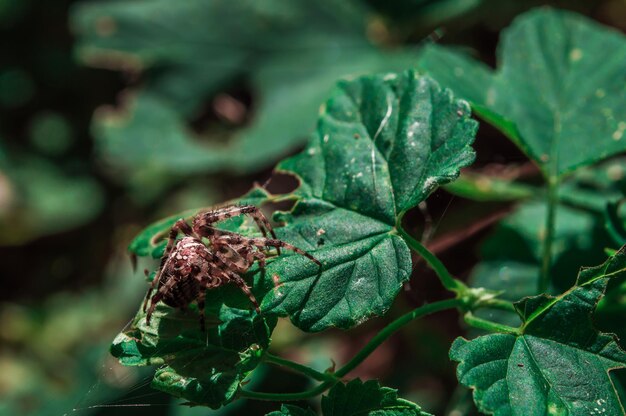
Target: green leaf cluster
pixel 557 363
pixel 383 143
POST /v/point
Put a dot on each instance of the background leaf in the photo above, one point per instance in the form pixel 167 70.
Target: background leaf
pixel 289 54
pixel 511 255
pixel 39 199
pixel 558 363
pixel 542 95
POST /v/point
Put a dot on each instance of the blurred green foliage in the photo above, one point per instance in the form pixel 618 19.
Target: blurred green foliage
pixel 113 114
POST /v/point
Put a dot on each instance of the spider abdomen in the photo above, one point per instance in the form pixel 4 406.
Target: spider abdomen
pixel 184 292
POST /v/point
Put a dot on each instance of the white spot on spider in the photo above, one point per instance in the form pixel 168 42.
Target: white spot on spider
pixel 358 175
pixel 575 55
pixel 326 137
pixel 321 231
pixel 311 151
pixel 390 77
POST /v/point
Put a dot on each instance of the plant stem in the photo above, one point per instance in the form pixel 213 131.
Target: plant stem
pixel 546 258
pixel 501 304
pixel 286 397
pixel 374 343
pixel 447 280
pixel 387 331
pixel 314 374
pixel 490 326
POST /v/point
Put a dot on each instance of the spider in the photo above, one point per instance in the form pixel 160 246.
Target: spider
pixel 189 266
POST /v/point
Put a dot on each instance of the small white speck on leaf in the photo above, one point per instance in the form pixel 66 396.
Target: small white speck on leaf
pixel 575 55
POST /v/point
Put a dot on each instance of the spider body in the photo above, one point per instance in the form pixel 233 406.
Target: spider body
pixel 181 274
pixel 189 266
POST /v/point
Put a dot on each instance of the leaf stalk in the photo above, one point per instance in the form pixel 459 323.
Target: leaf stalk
pixel 490 326
pixel 546 257
pixel 447 280
pixel 300 368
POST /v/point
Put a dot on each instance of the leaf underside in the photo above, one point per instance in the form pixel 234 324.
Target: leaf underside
pixel 203 368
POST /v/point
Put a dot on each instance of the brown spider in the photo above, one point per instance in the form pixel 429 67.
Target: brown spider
pixel 189 266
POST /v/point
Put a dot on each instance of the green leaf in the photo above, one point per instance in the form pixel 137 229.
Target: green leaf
pixel 369 398
pixel 288 54
pixel 40 199
pixel 203 368
pixel 480 187
pixel 591 188
pixel 382 145
pixel 558 363
pixel 291 410
pixel 556 93
pixel 515 246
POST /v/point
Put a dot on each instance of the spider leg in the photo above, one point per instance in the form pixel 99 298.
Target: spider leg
pixel 238 280
pixel 268 242
pixel 180 226
pixel 224 213
pixel 201 310
pixel 260 257
pixel 152 286
pixel 218 276
pixel 158 296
